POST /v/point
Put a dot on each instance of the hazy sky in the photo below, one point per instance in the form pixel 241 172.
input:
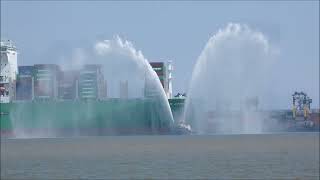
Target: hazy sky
pixel 177 31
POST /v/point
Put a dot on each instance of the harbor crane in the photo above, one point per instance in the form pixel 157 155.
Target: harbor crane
pixel 300 105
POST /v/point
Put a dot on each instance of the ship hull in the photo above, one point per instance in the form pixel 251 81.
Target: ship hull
pixel 61 118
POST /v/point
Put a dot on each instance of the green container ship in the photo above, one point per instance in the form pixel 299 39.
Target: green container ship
pixel 42 100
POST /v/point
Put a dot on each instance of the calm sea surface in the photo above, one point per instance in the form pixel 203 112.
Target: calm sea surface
pixel 266 156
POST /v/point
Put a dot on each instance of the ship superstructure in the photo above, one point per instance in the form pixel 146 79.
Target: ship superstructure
pixel 8 72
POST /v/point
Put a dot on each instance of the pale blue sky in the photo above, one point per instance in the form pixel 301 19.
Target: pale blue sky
pixel 178 31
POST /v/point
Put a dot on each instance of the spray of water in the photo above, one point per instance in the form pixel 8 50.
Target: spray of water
pixel 120 62
pixel 228 82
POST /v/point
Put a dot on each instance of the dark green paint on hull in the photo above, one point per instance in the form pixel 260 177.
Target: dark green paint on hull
pixel 113 116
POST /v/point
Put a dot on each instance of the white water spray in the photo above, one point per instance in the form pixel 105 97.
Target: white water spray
pixel 229 75
pixel 122 62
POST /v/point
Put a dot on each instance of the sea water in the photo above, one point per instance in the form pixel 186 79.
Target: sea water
pixel 266 156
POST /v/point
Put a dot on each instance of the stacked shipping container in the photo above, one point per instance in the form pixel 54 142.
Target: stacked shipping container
pixel 24 86
pixel 68 85
pixel 47 81
pixel 91 82
pixel 124 92
pixel 160 69
pixel 164 72
pixel 46 77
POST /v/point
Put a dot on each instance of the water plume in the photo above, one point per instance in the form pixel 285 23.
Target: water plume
pixel 123 62
pixel 229 81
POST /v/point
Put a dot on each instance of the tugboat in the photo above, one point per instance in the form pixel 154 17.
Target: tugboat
pixel 182 129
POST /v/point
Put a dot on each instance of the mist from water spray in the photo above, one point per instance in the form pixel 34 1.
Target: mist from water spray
pixel 230 71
